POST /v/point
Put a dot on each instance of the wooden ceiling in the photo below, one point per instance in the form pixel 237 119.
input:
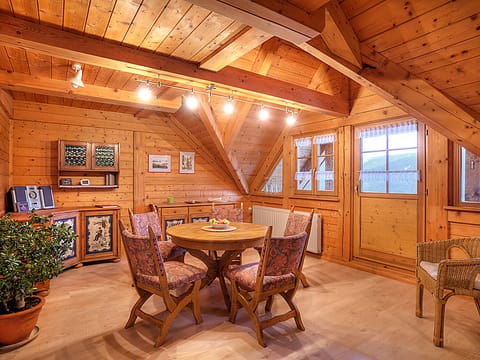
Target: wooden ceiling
pixel 422 56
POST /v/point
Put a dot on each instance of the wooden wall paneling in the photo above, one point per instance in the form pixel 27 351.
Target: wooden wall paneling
pixel 140 166
pixel 436 182
pixel 98 16
pixel 463 222
pixel 74 15
pixel 5 153
pixel 48 11
pixel 345 188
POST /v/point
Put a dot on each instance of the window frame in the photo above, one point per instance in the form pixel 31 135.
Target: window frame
pixel 457 175
pixel 315 191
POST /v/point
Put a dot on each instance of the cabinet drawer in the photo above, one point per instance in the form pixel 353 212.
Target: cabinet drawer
pixel 199 210
pixel 175 211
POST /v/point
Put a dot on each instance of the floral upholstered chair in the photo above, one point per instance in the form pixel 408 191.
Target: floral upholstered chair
pixel 447 268
pixel 152 276
pixel 296 224
pixel 140 223
pixel 277 272
pixel 232 215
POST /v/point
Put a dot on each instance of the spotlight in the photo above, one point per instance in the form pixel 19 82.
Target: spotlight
pixel 191 101
pixel 263 113
pixel 291 117
pixel 76 80
pixel 228 107
pixel 145 93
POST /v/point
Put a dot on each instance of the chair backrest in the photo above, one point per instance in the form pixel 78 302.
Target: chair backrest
pixel 235 215
pixel 298 223
pixel 141 221
pixel 144 259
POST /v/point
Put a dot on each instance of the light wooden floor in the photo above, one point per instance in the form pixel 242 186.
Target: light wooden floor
pixel 348 314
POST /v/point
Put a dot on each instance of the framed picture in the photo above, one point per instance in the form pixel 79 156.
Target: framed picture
pixel 159 163
pixel 187 162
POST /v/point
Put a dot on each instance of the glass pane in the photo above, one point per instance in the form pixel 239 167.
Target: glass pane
pixel 375 161
pixel 374 143
pixel 402 141
pixel 402 159
pixel 274 182
pixel 325 149
pixel 402 183
pixel 470 177
pixel 304 167
pixel 379 186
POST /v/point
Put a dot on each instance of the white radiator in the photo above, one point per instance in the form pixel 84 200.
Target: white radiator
pixel 277 218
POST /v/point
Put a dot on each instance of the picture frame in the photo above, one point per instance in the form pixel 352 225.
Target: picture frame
pixel 187 162
pixel 159 163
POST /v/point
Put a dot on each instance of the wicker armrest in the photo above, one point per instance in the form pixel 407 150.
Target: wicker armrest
pixel 458 274
pixel 435 251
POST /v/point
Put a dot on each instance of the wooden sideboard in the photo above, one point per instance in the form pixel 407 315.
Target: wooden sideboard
pixel 97 229
pixel 182 213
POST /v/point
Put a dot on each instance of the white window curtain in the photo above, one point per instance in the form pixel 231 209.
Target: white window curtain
pixel 402 176
pixel 398 128
pixel 303 142
pixel 324 175
pixel 324 139
pixel 303 175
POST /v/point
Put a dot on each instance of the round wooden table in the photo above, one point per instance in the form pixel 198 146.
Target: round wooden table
pixel 195 238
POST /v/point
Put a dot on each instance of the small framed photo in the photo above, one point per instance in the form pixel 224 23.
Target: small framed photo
pixel 187 162
pixel 159 163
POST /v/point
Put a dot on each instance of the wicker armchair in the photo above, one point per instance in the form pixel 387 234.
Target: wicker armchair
pixel 447 268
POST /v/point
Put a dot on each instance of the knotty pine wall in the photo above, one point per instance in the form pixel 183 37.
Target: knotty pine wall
pixel 336 212
pixel 5 114
pixel 37 127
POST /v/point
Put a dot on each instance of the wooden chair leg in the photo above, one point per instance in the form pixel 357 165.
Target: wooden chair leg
pixel 438 327
pixel 303 279
pixel 477 302
pixel 196 303
pixel 288 296
pixel 419 307
pixel 144 296
pixel 233 302
pixel 269 303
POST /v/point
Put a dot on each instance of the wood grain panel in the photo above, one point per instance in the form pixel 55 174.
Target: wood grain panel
pixel 4 147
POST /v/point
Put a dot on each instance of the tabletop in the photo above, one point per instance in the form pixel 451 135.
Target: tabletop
pixel 246 235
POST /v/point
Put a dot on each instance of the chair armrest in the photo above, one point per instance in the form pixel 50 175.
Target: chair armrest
pixel 458 274
pixel 435 251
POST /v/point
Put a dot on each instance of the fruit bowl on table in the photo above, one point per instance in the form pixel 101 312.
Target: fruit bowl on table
pixel 219 226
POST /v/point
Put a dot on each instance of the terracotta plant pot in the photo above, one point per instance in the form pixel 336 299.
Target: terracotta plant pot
pixel 17 326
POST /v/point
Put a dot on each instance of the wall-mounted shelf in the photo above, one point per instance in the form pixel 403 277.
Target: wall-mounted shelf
pixel 95 163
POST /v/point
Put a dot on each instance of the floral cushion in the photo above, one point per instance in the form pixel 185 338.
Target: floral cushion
pixel 235 215
pixel 432 270
pixel 178 274
pixel 285 254
pixel 246 277
pixel 296 223
pixel 140 223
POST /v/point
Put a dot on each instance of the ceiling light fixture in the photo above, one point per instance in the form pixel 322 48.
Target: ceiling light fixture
pixel 291 117
pixel 145 93
pixel 228 107
pixel 191 101
pixel 76 80
pixel 263 113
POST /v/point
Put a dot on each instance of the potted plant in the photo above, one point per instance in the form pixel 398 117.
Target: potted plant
pixel 31 251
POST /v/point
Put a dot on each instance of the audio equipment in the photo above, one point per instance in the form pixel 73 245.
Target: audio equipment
pixel 33 198
pixel 46 197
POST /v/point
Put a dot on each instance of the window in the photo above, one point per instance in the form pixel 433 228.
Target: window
pixel 274 182
pixel 315 164
pixel 388 158
pixel 468 190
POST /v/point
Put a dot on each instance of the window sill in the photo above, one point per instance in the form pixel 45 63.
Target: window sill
pixel 332 198
pixel 462 209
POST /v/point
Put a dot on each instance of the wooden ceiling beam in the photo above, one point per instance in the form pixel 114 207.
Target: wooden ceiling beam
pixel 385 78
pixel 261 65
pixel 38 38
pixel 247 40
pixel 269 20
pixel 53 87
pixel 208 119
